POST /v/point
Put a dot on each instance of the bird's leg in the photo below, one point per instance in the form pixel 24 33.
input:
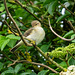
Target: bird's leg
pixel 33 42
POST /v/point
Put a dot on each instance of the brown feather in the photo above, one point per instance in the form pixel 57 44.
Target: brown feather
pixel 28 32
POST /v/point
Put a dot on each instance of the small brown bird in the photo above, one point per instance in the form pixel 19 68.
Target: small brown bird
pixel 35 33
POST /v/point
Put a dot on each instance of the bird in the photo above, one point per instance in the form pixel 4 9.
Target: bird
pixel 35 33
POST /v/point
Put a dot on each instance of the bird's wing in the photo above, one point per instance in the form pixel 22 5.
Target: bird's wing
pixel 28 32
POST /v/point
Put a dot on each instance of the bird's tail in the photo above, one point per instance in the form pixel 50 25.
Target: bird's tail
pixel 16 46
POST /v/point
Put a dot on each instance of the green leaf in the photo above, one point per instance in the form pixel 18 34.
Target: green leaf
pixel 62 17
pixel 18 67
pixel 53 74
pixel 2 8
pixel 33 73
pixel 44 48
pixel 1 65
pixel 30 9
pixel 73 37
pixel 11 36
pixel 12 1
pixel 2 13
pixel 43 72
pixel 42 0
pixel 4 44
pixel 63 64
pixel 26 73
pixel 7 72
pixel 71 61
pixel 2 39
pixel 47 2
pixel 52 7
pixel 11 43
pixel 69 33
pixel 3 32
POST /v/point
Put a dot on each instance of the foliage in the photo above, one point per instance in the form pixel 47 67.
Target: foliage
pixel 62 51
pixel 51 44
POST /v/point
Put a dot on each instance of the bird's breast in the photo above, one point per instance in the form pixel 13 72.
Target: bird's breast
pixel 37 34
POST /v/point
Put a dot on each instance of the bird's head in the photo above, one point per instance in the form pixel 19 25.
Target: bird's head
pixel 35 23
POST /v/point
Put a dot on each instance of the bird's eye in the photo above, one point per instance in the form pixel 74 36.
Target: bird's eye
pixel 37 23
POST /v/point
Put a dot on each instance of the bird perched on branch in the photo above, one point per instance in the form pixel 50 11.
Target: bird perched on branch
pixel 35 33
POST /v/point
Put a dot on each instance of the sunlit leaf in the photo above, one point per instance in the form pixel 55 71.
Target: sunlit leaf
pixel 12 1
pixel 2 8
pixel 2 39
pixel 4 44
pixel 11 36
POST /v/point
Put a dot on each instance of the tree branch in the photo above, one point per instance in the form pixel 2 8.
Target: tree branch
pixel 48 58
pixel 66 8
pixel 41 21
pixel 28 39
pixel 9 27
pixel 71 55
pixel 27 10
pixel 20 61
pixel 57 34
pixel 20 34
pixel 71 26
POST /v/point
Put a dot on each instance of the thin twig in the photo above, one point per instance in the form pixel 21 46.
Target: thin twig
pixel 57 34
pixel 39 64
pixel 31 3
pixel 20 61
pixel 71 55
pixel 71 25
pixel 43 23
pixel 7 56
pixel 66 8
pixel 9 27
pixel 27 10
pixel 15 61
pixel 26 42
pixel 48 58
pixel 20 34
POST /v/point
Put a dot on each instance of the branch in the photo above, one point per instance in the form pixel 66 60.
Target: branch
pixel 27 10
pixel 48 58
pixel 71 55
pixel 19 61
pixel 57 34
pixel 9 27
pixel 71 25
pixel 42 22
pixel 20 34
pixel 6 56
pixel 26 38
pixel 39 64
pixel 66 8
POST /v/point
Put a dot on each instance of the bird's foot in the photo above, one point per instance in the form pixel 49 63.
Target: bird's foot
pixel 33 42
